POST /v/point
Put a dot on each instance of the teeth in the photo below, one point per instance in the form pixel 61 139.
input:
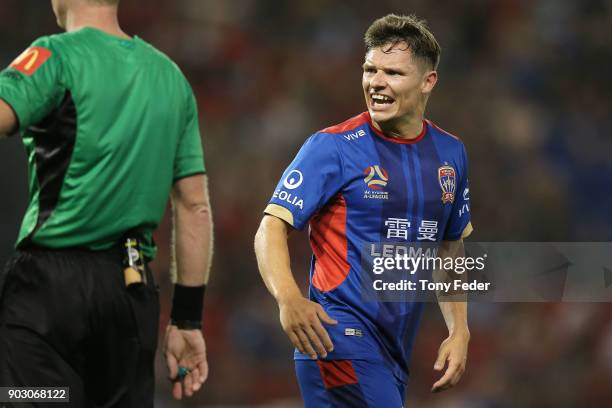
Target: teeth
pixel 381 98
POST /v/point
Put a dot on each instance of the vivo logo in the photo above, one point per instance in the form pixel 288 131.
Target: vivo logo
pixel 356 135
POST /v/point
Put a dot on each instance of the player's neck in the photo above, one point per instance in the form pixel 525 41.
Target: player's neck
pixel 409 128
pixel 103 18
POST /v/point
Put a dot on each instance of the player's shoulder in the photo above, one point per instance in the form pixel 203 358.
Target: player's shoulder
pixel 444 137
pixel 352 127
pixel 347 125
pixel 436 130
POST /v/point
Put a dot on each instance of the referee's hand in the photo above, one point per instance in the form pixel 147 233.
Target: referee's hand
pixel 303 320
pixel 187 349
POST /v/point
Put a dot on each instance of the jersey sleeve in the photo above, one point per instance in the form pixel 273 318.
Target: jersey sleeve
pixel 459 225
pixel 189 158
pixel 310 181
pixel 31 84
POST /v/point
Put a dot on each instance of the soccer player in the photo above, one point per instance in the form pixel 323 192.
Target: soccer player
pixel 110 127
pixel 387 174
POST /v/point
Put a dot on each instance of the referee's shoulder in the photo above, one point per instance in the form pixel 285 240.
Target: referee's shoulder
pixel 52 41
pixel 164 60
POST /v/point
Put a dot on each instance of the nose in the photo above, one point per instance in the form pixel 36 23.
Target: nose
pixel 378 81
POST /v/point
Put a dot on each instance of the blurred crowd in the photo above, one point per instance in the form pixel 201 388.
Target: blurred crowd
pixel 526 85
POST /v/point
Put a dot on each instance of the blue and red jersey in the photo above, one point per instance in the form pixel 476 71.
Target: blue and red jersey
pixel 355 186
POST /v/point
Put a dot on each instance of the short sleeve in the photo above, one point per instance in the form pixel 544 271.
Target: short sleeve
pixel 459 225
pixel 31 84
pixel 310 181
pixel 189 159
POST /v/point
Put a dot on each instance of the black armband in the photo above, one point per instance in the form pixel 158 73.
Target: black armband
pixel 187 307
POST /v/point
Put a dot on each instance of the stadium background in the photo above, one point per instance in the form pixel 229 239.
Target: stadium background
pixel 526 84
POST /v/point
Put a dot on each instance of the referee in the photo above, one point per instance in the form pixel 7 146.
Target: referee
pixel 110 127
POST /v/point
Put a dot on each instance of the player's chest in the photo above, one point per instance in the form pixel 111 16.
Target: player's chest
pixel 403 194
pixel 405 181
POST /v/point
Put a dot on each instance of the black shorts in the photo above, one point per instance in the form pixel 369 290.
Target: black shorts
pixel 67 320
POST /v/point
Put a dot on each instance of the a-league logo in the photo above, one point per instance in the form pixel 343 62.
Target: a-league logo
pixel 376 177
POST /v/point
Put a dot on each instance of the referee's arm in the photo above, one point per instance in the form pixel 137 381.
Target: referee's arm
pixel 184 345
pixel 193 237
pixel 8 120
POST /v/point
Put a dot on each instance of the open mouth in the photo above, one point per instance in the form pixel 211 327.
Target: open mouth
pixel 381 100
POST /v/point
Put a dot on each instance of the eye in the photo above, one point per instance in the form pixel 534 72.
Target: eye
pixel 369 70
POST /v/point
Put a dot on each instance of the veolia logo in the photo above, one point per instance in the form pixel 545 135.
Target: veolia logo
pixel 293 180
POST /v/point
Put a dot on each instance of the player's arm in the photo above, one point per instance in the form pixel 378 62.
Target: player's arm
pixel 301 318
pixel 8 120
pixel 184 345
pixel 454 310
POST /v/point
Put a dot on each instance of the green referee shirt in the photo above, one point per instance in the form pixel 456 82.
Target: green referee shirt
pixel 108 125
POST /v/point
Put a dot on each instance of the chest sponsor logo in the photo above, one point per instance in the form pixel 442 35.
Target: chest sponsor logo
pixel 355 135
pixel 448 183
pixel 400 228
pixel 293 180
pixel 289 198
pixel 376 179
pixel 31 59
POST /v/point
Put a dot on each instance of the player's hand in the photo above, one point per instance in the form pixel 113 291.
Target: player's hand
pixel 185 348
pixel 303 320
pixel 454 351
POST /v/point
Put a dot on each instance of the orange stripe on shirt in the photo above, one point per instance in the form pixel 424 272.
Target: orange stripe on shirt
pixel 329 245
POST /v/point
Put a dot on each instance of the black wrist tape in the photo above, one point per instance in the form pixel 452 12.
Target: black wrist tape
pixel 187 306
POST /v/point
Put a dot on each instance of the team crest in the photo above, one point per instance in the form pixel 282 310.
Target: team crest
pixel 447 178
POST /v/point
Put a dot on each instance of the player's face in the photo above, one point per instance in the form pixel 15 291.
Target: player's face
pixel 395 85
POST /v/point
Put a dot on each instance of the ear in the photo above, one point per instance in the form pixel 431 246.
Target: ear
pixel 430 78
